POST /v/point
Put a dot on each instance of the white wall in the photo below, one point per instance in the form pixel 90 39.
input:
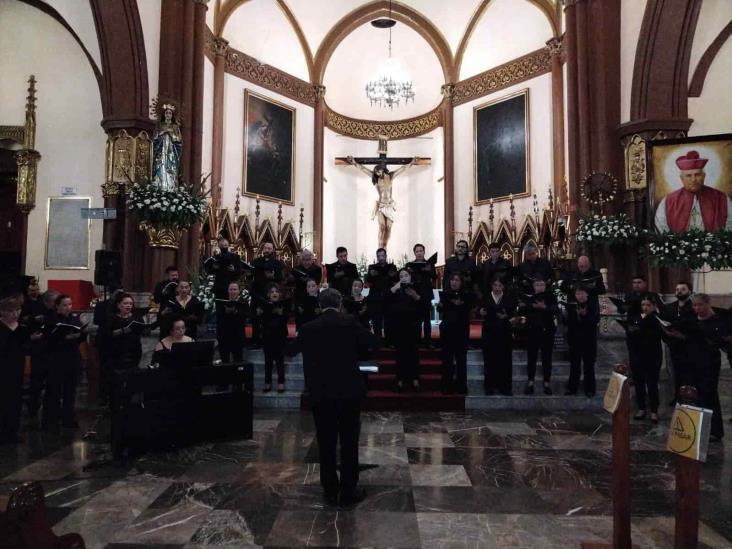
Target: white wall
pixel 69 136
pixel 234 154
pixel 349 198
pixel 631 19
pixel 540 152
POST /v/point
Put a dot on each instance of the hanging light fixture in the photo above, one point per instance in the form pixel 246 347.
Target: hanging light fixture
pixel 390 85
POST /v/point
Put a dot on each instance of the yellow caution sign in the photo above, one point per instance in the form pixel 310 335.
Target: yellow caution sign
pixel 613 392
pixel 689 432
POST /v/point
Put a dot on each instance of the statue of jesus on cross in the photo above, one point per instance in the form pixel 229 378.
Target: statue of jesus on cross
pixel 385 207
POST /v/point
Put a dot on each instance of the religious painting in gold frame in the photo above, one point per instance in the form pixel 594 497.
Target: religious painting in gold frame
pixel 501 148
pixel 68 238
pixel 269 149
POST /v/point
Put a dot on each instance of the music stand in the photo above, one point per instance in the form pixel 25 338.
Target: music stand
pixel 194 354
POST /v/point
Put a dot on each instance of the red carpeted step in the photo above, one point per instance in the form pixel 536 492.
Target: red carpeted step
pixel 425 366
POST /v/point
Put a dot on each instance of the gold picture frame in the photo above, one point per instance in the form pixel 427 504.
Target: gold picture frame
pixel 268 171
pixel 513 111
pixel 66 230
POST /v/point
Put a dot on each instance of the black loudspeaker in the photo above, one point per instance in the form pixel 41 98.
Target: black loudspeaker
pixel 108 268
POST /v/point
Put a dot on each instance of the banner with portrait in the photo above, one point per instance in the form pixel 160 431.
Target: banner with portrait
pixel 691 186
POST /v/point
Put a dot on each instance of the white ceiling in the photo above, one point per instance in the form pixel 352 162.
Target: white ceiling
pixel 507 29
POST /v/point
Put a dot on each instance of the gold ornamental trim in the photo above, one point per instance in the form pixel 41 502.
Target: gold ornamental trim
pixel 372 129
pixel 162 237
pixel 247 67
pixel 13 133
pixel 524 68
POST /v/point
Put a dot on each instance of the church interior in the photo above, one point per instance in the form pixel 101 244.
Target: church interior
pixel 185 183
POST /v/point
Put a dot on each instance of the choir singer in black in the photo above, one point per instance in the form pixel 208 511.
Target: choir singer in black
pixel 268 270
pixel 497 309
pixel 226 267
pixel 164 290
pixel 462 264
pixel 14 341
pixel 342 273
pixel 404 306
pixel 423 275
pixel 332 344
pixel 495 267
pixel 583 316
pixel 380 276
pixel 306 269
pixel 540 309
pixel 231 319
pixel 456 303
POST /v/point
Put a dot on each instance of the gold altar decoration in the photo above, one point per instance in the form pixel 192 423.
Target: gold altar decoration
pixel 635 164
pixel 26 158
pixel 128 160
pixel 372 129
pixel 162 237
pixel 246 235
pixel 546 228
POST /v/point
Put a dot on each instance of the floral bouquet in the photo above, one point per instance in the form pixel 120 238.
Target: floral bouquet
pixel 607 229
pixel 692 249
pixel 153 205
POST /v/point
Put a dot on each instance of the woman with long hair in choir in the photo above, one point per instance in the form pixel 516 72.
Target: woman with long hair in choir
pixel 357 305
pixel 455 306
pixel 274 315
pixel 231 319
pixel 176 334
pixel 404 306
pixel 307 307
pixel 14 346
pixel 645 332
pixel 497 309
pixel 185 306
pixel 123 330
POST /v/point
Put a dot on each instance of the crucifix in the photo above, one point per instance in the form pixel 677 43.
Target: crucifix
pixel 385 207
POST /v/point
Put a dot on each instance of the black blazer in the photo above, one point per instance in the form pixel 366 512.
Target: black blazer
pixel 331 345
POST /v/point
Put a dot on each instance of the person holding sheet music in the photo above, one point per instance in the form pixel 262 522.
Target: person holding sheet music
pixel 307 307
pixel 679 313
pixel 495 267
pixel 342 273
pixel 423 275
pixel 456 303
pixel 39 356
pixel 231 319
pixel 14 346
pixel 540 310
pixel 404 305
pixel 268 270
pixel 463 264
pixel 64 333
pixel 583 316
pixel 164 290
pixel 273 315
pixel 380 276
pixel 586 277
pixel 497 309
pixel 226 267
pixel 185 306
pixel 357 305
pixel 122 331
pixel 305 270
pixel 176 333
pixel 644 333
pixel 533 268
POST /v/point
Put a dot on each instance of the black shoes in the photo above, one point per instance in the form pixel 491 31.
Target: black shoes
pixel 353 498
pixel 330 498
pixel 548 389
pixel 529 389
pixel 570 393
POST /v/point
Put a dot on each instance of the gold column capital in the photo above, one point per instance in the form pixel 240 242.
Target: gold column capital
pixel 448 91
pixel 220 46
pixel 555 46
pixel 319 91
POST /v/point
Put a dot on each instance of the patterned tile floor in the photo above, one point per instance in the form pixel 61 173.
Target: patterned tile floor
pixel 442 480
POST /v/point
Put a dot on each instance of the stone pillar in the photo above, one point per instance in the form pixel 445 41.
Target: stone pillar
pixel 559 188
pixel 319 125
pixel 221 47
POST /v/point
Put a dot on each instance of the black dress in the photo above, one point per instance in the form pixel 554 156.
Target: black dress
pixel 497 343
pixel 64 365
pixel 14 346
pixel 403 316
pixel 582 321
pixel 541 328
pixel 454 335
pixel 273 317
pixel 644 337
pixel 231 319
pixel 379 278
pixel 124 349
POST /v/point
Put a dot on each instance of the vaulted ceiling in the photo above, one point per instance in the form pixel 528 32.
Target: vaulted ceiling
pixel 436 41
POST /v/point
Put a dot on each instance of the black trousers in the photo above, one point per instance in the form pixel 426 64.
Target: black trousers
pixel 708 387
pixel 338 420
pixel 11 396
pixel 645 369
pixel 230 349
pixel 38 374
pixel 59 400
pixel 540 340
pixel 426 324
pixel 498 363
pixel 274 355
pixel 378 323
pixel 406 339
pixel 681 367
pixel 454 340
pixel 582 357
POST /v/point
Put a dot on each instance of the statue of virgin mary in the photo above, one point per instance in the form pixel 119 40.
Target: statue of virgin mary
pixel 167 147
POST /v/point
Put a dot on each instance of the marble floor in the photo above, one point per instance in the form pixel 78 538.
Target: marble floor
pixel 442 479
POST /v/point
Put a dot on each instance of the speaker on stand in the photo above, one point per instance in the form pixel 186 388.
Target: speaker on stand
pixel 108 269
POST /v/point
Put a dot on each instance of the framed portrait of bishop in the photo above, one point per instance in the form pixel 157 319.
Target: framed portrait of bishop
pixel 691 185
pixel 269 149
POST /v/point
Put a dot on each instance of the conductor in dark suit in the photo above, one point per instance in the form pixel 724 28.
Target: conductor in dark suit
pixel 331 345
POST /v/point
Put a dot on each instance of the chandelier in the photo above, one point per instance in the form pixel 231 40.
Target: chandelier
pixel 390 85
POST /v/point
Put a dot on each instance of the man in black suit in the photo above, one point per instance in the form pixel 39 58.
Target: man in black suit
pixel 681 314
pixel 533 268
pixel 460 263
pixel 584 277
pixel 165 290
pixel 331 345
pixel 494 268
pixel 342 273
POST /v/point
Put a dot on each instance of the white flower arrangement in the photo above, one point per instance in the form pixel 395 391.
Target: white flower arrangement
pixel 178 207
pixel 607 229
pixel 692 249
